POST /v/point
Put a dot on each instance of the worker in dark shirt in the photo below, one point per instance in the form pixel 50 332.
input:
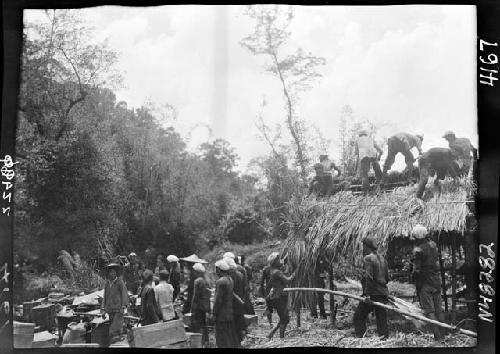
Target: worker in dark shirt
pixel 150 310
pixel 316 185
pixel 238 303
pixel 200 304
pixel 225 332
pixel 265 287
pixel 402 143
pixel 318 299
pixel 132 273
pixel 175 274
pixel 426 274
pixel 461 149
pixel 115 301
pixel 186 308
pixel 277 297
pixel 435 161
pixel 328 168
pixel 375 279
pixel 249 310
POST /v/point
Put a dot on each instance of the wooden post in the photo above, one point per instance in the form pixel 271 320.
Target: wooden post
pixel 297 313
pixel 443 278
pixel 453 277
pixel 333 312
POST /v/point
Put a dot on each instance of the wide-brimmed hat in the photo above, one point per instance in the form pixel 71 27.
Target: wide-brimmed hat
pixel 229 255
pixel 172 258
pixel 194 259
pixel 448 133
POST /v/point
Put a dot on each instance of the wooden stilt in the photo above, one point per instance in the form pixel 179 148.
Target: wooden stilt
pixel 333 312
pixel 297 313
pixel 443 278
pixel 453 277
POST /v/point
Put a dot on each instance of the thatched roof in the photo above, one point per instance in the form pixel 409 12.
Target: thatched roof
pixel 334 227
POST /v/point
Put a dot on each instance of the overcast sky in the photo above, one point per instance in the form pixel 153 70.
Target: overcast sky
pixel 412 66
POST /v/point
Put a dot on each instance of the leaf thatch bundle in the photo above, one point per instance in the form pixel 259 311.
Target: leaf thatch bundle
pixel 334 227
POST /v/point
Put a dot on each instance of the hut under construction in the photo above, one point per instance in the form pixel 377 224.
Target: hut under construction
pixel 333 229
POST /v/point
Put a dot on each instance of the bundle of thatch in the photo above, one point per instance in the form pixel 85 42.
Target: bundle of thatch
pixel 334 227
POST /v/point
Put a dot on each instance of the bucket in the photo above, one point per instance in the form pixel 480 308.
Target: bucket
pixel 28 309
pixel 23 334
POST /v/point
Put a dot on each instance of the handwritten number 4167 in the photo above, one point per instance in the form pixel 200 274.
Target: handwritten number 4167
pixel 488 75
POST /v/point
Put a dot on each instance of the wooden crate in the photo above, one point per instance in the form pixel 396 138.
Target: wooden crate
pixel 180 345
pixel 164 333
pixel 44 339
pixel 194 339
pixel 45 316
pixel 187 319
pixel 81 345
pixel 28 309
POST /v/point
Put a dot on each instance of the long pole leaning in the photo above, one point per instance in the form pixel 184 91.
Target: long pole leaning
pixel 387 307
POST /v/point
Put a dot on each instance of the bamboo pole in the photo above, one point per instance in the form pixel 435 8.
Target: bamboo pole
pixel 453 278
pixel 333 312
pixel 443 278
pixel 390 308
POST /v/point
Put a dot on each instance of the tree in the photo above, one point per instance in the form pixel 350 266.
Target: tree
pixel 296 71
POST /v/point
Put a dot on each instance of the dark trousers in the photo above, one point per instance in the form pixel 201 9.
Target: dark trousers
pixel 281 306
pixel 366 162
pixel 361 314
pixel 318 301
pixel 225 335
pixel 116 324
pixel 199 325
pixel 427 171
pixel 395 146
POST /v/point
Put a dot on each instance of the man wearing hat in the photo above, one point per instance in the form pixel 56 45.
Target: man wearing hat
pixel 402 143
pixel 374 281
pixel 461 148
pixel 132 273
pixel 115 301
pixel 426 274
pixel 239 290
pixel 175 274
pixel 366 151
pixel 225 332
pixel 200 304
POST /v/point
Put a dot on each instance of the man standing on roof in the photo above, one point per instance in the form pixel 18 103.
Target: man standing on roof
pixel 461 149
pixel 316 184
pixel 115 301
pixel 402 143
pixel 200 305
pixel 175 274
pixel 435 161
pixel 225 332
pixel 375 279
pixel 328 167
pixel 426 274
pixel 366 151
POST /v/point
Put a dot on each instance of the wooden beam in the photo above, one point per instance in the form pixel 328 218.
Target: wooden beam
pixel 443 278
pixel 333 312
pixel 387 307
pixel 453 277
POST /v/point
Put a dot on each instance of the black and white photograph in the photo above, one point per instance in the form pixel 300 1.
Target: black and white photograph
pixel 248 176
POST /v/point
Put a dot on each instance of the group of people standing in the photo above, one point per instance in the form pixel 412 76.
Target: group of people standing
pixel 454 161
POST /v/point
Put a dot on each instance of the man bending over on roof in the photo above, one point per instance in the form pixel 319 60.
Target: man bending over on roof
pixel 374 284
pixel 435 161
pixel 461 149
pixel 328 167
pixel 426 274
pixel 402 143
